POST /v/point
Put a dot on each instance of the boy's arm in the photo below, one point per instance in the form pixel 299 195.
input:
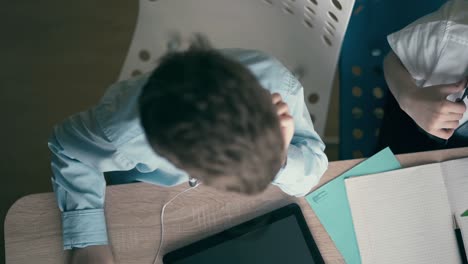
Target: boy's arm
pixel 428 106
pixel 80 152
pixel 92 255
pixel 418 52
pixel 399 80
pixel 306 161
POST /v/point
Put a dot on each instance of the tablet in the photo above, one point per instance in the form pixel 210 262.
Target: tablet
pixel 281 236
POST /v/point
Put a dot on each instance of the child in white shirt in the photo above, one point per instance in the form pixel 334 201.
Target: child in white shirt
pixel 426 73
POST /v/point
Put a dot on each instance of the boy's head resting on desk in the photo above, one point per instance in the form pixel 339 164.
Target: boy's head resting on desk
pixel 210 116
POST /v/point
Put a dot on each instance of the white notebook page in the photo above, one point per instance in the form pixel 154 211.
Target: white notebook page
pixel 455 173
pixel 403 216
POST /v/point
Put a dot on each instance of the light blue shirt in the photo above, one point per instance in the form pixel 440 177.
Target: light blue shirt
pixel 109 137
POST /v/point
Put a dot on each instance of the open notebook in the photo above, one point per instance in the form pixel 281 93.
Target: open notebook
pixel 405 216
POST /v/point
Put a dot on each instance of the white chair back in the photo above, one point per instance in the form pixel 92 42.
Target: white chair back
pixel 305 35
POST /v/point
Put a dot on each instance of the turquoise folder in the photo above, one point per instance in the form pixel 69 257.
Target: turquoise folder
pixel 330 203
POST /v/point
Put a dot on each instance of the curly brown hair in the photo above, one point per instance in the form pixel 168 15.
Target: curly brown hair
pixel 210 116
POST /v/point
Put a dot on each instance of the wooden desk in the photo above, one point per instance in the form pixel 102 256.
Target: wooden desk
pixel 33 231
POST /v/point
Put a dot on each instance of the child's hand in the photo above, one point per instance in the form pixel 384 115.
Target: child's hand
pixel 92 254
pixel 431 110
pixel 286 121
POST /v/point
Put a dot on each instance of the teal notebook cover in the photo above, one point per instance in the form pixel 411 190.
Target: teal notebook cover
pixel 330 203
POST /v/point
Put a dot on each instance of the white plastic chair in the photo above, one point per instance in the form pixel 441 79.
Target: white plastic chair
pixel 305 35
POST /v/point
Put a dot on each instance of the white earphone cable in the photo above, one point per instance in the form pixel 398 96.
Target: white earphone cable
pixel 162 218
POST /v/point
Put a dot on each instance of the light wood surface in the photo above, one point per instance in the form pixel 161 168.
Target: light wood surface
pixel 33 231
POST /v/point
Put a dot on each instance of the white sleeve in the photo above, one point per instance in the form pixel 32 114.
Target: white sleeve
pixel 420 44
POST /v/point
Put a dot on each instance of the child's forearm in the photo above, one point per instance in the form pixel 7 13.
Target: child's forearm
pixel 92 254
pixel 399 80
pixel 428 107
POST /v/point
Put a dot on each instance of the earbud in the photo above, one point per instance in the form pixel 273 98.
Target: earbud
pixel 193 182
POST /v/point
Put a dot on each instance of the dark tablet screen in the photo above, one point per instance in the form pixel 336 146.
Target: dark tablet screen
pixel 281 236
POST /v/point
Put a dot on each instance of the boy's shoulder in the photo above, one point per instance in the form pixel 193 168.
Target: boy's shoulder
pixel 255 60
pixel 117 111
pixel 272 74
pixel 427 47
